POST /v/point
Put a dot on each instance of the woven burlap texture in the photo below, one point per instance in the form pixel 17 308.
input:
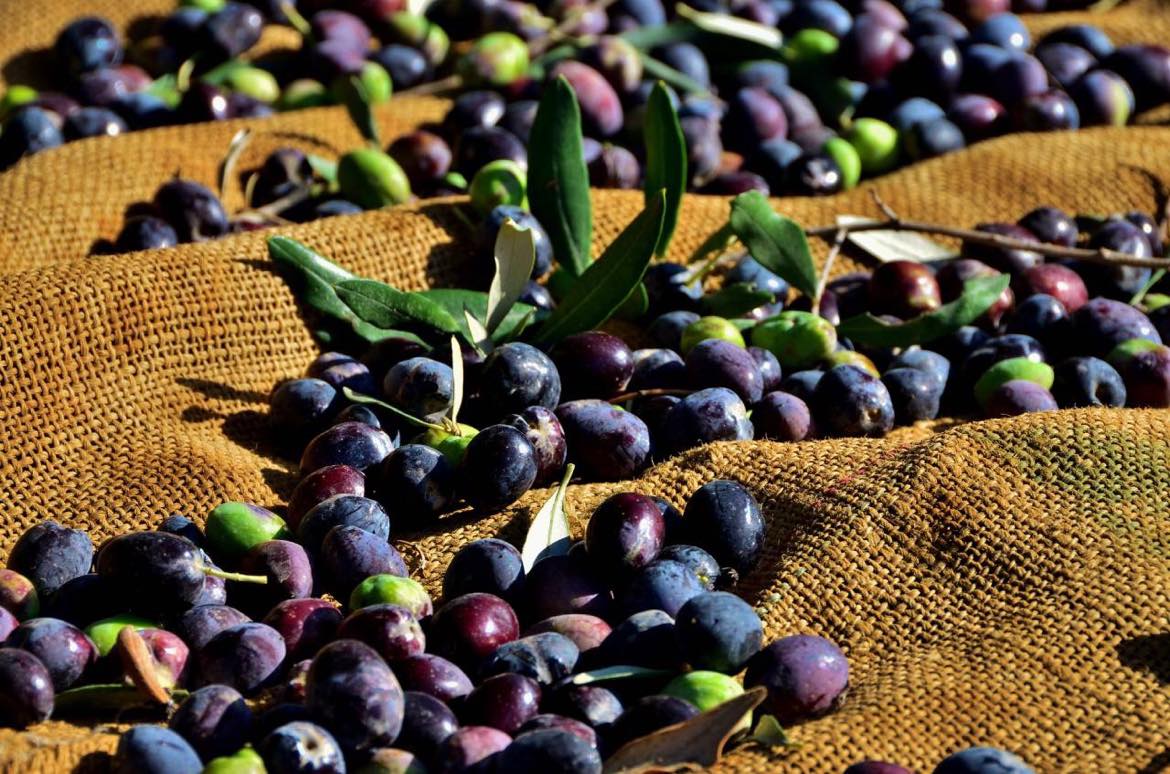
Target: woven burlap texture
pixel 57 205
pixel 998 582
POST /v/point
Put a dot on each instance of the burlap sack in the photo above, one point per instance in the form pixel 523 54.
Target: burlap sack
pixel 57 205
pixel 998 582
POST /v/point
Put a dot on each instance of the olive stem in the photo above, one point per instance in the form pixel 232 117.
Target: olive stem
pixel 894 222
pixel 650 393
pixel 434 87
pixel 215 572
pixel 562 31
pixel 822 283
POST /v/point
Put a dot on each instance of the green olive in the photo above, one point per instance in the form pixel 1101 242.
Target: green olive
pixel 233 529
pixel 709 328
pixel 707 690
pixel 797 339
pixel 394 590
pixel 498 182
pixel 496 59
pixel 305 93
pixel 1010 370
pixel 876 143
pixel 371 179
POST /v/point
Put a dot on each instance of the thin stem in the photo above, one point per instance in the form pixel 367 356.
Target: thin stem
pixel 450 83
pixel 1154 279
pixel 651 393
pixel 563 30
pixel 896 223
pixel 834 251
pixel 215 572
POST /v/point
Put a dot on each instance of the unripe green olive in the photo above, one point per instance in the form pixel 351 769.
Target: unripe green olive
pixel 371 179
pixel 797 339
pixel 496 59
pixel 498 182
pixel 709 328
pixel 393 590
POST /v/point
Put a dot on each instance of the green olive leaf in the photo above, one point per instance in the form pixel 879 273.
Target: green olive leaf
pixel 635 305
pixel 735 299
pixel 769 733
pixel 313 280
pixel 548 534
pixel 605 285
pixel 478 335
pixel 978 296
pixel 385 306
pixel 410 419
pixel 619 672
pixel 666 160
pixel 324 168
pixel 357 100
pixel 456 301
pixel 106 699
pixel 777 242
pixel 558 180
pixel 515 255
pixel 655 68
pixel 653 36
pixel 732 26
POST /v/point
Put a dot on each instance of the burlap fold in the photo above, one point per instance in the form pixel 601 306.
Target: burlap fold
pixel 998 582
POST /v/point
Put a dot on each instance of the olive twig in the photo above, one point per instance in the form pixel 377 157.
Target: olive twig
pixel 1100 255
pixel 834 251
pixel 650 393
pixel 449 83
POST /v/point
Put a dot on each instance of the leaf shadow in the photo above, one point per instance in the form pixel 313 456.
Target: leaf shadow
pixel 221 391
pixel 452 262
pixel 1148 653
pixel 35 67
pixel 1160 762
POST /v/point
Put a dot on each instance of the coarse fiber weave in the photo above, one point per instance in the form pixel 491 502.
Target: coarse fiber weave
pixel 998 582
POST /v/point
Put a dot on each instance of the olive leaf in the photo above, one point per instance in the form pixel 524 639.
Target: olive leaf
pixel 619 672
pixel 456 380
pixel 558 180
pixel 369 400
pixel 515 255
pixel 666 160
pixel 735 299
pixel 385 305
pixel 106 698
pixel 769 733
pixel 227 167
pixel 978 296
pixel 478 335
pixel 732 27
pixel 698 741
pixel 313 279
pixel 652 36
pixel 891 245
pixel 655 68
pixel 356 98
pixel 548 534
pixel 606 284
pixel 138 665
pixel 456 301
pixel 777 242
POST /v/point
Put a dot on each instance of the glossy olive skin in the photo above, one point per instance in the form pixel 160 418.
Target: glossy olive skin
pixel 469 628
pixel 625 532
pixel 849 401
pixel 319 486
pixel 353 693
pixel 215 720
pixel 489 565
pixel 593 364
pixel 516 376
pixel 350 554
pixel 304 625
pixel 904 289
pixel 415 481
pixel 192 209
pixel 498 467
pixel 64 649
pixel 245 656
pixel 434 676
pixel 806 676
pixel 50 555
pixel 153 750
pixel 605 442
pixel 350 443
pixel 544 431
pixel 725 519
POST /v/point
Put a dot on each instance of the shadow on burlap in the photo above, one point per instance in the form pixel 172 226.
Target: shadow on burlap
pixel 997 582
